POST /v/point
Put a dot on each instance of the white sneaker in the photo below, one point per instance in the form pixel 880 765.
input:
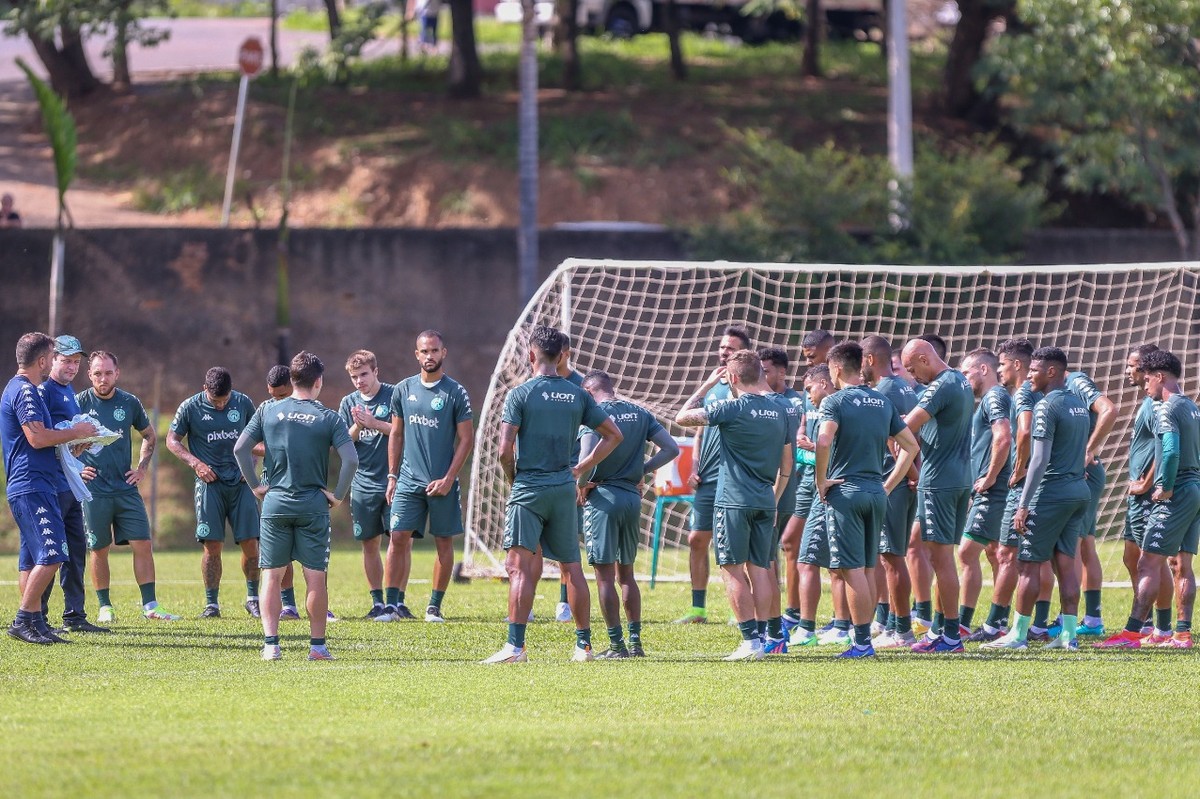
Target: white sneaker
pixel 271 652
pixel 389 614
pixel 833 636
pixel 748 650
pixel 1007 643
pixel 877 628
pixel 582 654
pixel 508 654
pixel 434 614
pixel 106 615
pixel 561 613
pixel 894 640
pixel 800 637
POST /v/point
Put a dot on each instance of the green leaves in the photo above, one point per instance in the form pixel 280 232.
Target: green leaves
pixel 60 130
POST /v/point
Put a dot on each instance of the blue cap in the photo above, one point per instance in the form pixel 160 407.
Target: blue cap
pixel 67 345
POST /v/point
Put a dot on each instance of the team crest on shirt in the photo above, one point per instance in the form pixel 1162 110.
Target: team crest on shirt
pixel 438 403
pixel 201 529
pixel 381 411
pixel 234 415
pixel 119 414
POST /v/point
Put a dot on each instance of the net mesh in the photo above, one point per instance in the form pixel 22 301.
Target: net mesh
pixel 654 326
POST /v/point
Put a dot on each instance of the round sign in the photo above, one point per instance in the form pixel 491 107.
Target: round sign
pixel 250 57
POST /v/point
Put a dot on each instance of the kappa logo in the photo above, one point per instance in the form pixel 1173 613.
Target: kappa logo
pixel 40 511
pixel 438 402
pixel 119 414
pixel 45 520
pixel 234 415
pixel 412 397
pixel 48 541
pixel 51 553
pixel 206 418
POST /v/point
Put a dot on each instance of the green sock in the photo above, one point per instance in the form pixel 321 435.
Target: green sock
pixel 516 634
pixel 903 624
pixel 1183 626
pixel 102 597
pixel 583 637
pixel 271 640
pixel 1091 603
pixel 1021 626
pixel 562 592
pixel 965 615
pixel 761 626
pixel 748 629
pixel 881 612
pixel 1133 625
pixel 399 597
pixel 891 622
pixel 615 638
pixel 435 598
pixel 862 634
pixel 793 614
pixel 925 610
pixel 775 627
pixel 288 595
pixel 147 590
pixel 809 625
pixel 635 632
pixel 995 615
pixel 252 589
pixel 1041 613
pixel 939 623
pixel 377 596
pixel 1004 611
pixel 1069 625
pixel 950 629
pixel 210 596
pixel 699 598
pixel 841 624
pixel 393 596
pixel 316 642
pixel 1162 618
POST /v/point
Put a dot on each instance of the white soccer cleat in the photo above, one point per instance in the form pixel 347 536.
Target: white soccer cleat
pixel 561 613
pixel 1007 643
pixel 434 614
pixel 271 652
pixel 894 640
pixel 582 654
pixel 106 615
pixel 833 637
pixel 877 628
pixel 507 654
pixel 802 637
pixel 389 614
pixel 747 650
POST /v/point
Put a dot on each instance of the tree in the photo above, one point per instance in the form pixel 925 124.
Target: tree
pixel 671 19
pixel 55 30
pixel 335 18
pixel 466 73
pixel 566 37
pixel 810 65
pixel 960 95
pixel 122 19
pixel 1112 90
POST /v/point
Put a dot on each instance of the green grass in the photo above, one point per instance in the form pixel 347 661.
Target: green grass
pixel 188 709
pixel 201 8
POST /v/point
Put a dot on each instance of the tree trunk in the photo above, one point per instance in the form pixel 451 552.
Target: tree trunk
pixel 810 64
pixel 966 48
pixel 335 18
pixel 120 48
pixel 274 38
pixel 70 74
pixel 466 73
pixel 568 46
pixel 671 23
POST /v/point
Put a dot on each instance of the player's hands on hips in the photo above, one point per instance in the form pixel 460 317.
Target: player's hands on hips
pixel 1093 457
pixel 84 430
pixel 260 491
pixel 333 501
pixel 134 476
pixel 823 486
pixel 694 480
pixel 983 484
pixel 1161 495
pixel 439 488
pixel 1019 519
pixel 204 472
pixel 1017 476
pixel 88 474
pixel 582 491
pixel 804 442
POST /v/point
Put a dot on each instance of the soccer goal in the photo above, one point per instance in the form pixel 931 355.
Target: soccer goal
pixel 654 327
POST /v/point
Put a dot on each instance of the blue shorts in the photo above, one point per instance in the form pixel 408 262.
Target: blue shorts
pixel 43 534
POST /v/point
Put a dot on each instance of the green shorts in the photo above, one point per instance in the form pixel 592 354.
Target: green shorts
pixel 702 506
pixel 549 519
pixel 417 511
pixel 1174 525
pixel 612 525
pixel 806 489
pixel 218 503
pixel 943 514
pixel 986 517
pixel 1052 527
pixel 744 535
pixel 854 520
pixel 1137 510
pixel 118 519
pixel 1009 537
pixel 814 541
pixel 897 521
pixel 783 510
pixel 304 539
pixel 369 512
pixel 1094 474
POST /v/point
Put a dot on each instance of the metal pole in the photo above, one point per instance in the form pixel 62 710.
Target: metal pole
pixel 900 141
pixel 154 456
pixel 527 156
pixel 57 253
pixel 243 88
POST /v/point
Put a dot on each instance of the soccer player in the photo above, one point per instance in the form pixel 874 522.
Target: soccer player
pixel 538 430
pixel 1172 532
pixel 367 414
pixel 431 438
pixel 31 473
pixel 116 513
pixel 756 463
pixel 1053 504
pixel 279 386
pixel 942 420
pixel 879 375
pixel 1103 415
pixel 211 421
pixel 298 433
pixel 563 610
pixel 857 425
pixel 706 467
pixel 612 507
pixel 59 397
pixel 775 365
pixel 991 444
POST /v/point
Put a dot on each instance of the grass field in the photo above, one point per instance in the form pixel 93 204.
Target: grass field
pixel 188 709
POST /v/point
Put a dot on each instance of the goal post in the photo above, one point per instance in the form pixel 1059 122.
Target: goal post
pixel 654 326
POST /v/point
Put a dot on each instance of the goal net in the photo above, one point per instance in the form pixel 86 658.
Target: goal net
pixel 654 327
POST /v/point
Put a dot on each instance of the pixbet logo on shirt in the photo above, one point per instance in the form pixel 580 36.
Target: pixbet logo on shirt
pixel 423 421
pixel 221 435
pixel 558 396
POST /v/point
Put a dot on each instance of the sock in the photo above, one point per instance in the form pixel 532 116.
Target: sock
pixel 1069 625
pixel 995 614
pixel 761 626
pixel 516 635
pixel 881 612
pixel 252 589
pixel 26 617
pixel 1004 611
pixel 315 642
pixel 102 597
pixel 862 635
pixel 924 610
pixel 562 592
pixel 583 637
pixel 890 624
pixel 1133 625
pixel 841 624
pixel 950 629
pixel 289 597
pixel 1021 627
pixel 775 627
pixel 376 596
pixel 635 632
pixel 1162 618
pixel 1041 613
pixel 903 624
pixel 435 598
pixel 211 595
pixel 615 638
pixel 965 615
pixel 38 622
pixel 792 615
pixel 147 590
pixel 399 597
pixel 699 598
pixel 1183 626
pixel 271 640
pixel 809 625
pixel 1091 603
pixel 939 623
pixel 393 597
pixel 749 629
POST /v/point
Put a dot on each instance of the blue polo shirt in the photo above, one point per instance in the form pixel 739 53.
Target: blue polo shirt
pixel 28 470
pixel 60 401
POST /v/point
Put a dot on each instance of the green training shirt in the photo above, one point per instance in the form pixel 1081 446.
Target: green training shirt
pixel 623 466
pixel 120 413
pixel 298 434
pixel 708 464
pixel 1082 386
pixel 901 395
pixel 211 433
pixel 1143 440
pixel 1024 399
pixel 995 405
pixel 1179 415
pixel 1061 418
pixel 431 416
pixel 371 445
pixel 753 432
pixel 946 437
pixel 866 420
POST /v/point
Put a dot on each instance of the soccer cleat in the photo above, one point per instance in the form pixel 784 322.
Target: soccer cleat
pixel 1058 643
pixel 937 646
pixel 271 652
pixel 329 617
pixel 1094 630
pixel 693 616
pixel 964 632
pixel 1155 638
pixel 894 640
pixel 826 627
pixel 636 651
pixel 802 637
pixel 877 628
pixel 434 614
pixel 403 613
pixel 23 631
pixel 319 653
pixel 1147 629
pixel 106 615
pixel 211 612
pixel 1007 643
pixel 775 646
pixel 833 637
pixel 582 654
pixel 619 653
pixel 289 613
pixel 83 626
pixel 982 636
pixel 920 626
pixel 1177 641
pixel 388 614
pixel 508 654
pixel 747 650
pixel 857 651
pixel 156 613
pixel 1122 640
pixel 375 612
pixel 562 612
pixel 1038 636
pixel 789 624
pixel 1055 630
pixel 252 608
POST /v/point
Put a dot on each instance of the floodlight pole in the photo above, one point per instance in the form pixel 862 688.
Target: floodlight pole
pixel 527 156
pixel 900 140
